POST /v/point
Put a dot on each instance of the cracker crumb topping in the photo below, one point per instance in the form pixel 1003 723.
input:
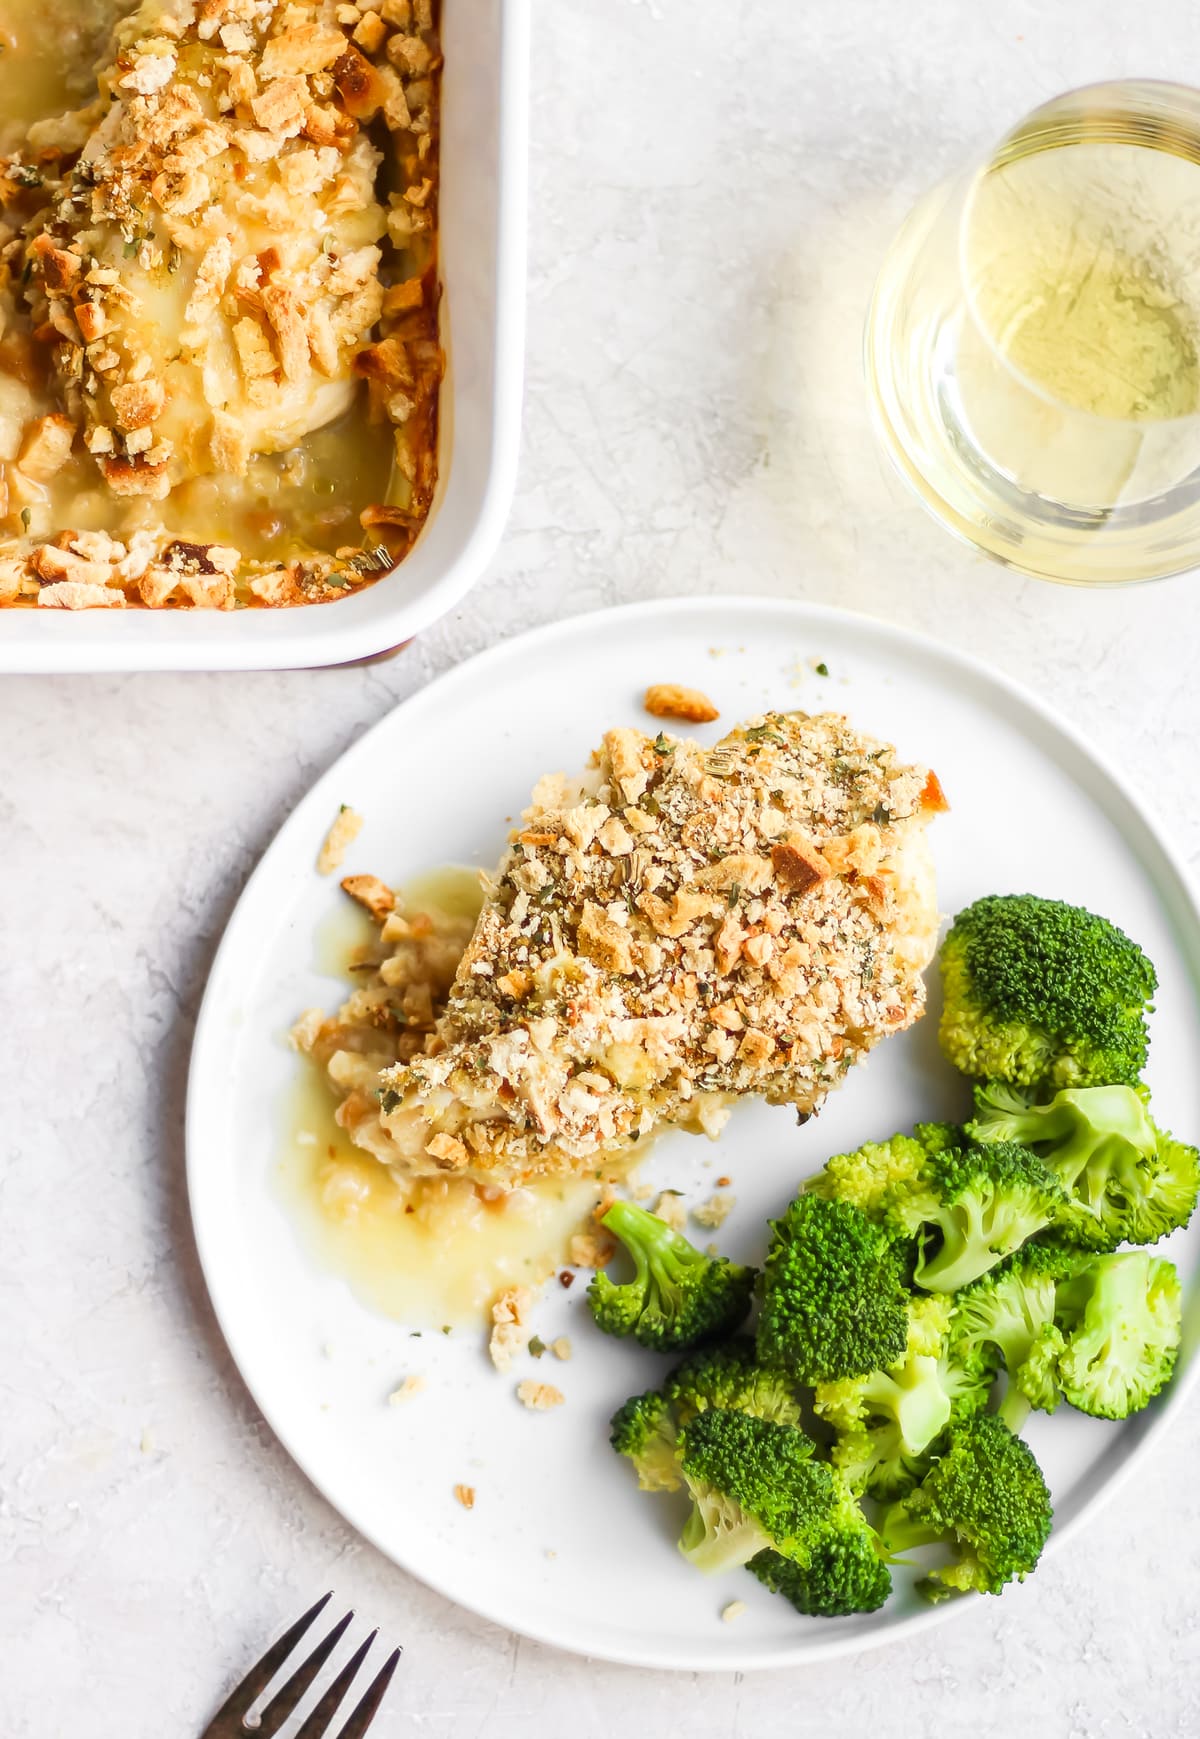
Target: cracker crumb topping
pixel 345 830
pixel 757 918
pixel 539 1397
pixel 670 700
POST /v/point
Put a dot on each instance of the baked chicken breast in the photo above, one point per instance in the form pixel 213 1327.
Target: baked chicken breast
pixel 683 926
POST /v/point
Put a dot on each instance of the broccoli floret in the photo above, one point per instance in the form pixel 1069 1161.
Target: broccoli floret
pixel 1103 1331
pixel 1011 1309
pixel 937 1137
pixel 845 1574
pixel 972 1207
pixel 986 1497
pixel 730 1376
pixel 888 1420
pixel 1034 1383
pixel 1127 1179
pixel 1120 1318
pixel 1040 993
pixel 643 1429
pixel 646 1428
pixel 678 1296
pixel 867 1177
pixel 833 1299
pixel 756 1486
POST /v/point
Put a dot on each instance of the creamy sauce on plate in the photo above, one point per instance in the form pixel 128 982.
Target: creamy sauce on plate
pixel 433 1254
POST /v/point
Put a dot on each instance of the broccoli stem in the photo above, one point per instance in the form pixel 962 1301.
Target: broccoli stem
pixel 1015 1409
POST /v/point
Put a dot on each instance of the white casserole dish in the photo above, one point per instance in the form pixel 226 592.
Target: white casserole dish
pixel 485 105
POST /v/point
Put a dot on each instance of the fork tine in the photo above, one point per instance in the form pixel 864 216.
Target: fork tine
pixel 240 1699
pixel 368 1706
pixel 290 1693
pixel 319 1722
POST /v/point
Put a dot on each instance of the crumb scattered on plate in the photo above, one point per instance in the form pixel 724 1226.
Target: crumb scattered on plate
pixel 561 1348
pixel 672 1209
pixel 670 700
pixel 465 1495
pixel 733 1610
pixel 370 892
pixel 589 1251
pixel 510 1325
pixel 341 836
pixel 405 1390
pixel 716 1210
pixel 539 1397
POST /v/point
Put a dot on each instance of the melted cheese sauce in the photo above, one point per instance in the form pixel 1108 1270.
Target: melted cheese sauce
pixel 433 1255
pixel 47 53
pixel 429 1258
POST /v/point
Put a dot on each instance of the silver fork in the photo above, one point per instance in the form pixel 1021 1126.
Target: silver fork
pixel 234 1718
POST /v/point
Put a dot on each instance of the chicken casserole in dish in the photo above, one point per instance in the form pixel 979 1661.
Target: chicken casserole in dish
pixel 219 361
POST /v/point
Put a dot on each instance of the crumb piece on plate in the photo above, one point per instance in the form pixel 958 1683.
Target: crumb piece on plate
pixel 669 700
pixel 561 1348
pixel 405 1390
pixel 370 892
pixel 723 1183
pixel 510 1325
pixel 539 1397
pixel 715 1211
pixel 733 1610
pixel 339 839
pixel 465 1495
pixel 537 1347
pixel 304 1033
pixel 590 1251
pixel 672 1209
pixel 566 1279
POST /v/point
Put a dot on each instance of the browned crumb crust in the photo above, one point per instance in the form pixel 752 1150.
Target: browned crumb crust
pixel 699 924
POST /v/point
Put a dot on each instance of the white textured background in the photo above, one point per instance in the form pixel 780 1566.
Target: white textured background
pixel 712 189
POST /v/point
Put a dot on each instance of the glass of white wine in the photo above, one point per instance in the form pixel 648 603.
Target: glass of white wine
pixel 1033 343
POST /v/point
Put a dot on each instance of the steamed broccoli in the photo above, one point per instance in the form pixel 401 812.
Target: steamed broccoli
pixel 1120 1319
pixel 868 1177
pixel 1100 1330
pixel 887 1421
pixel 678 1296
pixel 986 1497
pixel 1040 993
pixel 643 1429
pixel 845 1574
pixel 1128 1179
pixel 756 1487
pixel 971 1207
pixel 833 1300
pixel 1011 1309
pixel 729 1376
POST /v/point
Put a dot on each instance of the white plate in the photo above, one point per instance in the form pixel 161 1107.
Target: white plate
pixel 485 113
pixel 561 1545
